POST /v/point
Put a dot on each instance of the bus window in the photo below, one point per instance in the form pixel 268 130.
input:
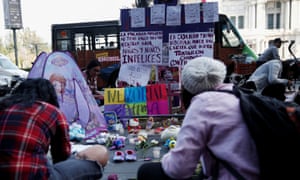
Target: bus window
pixel 100 41
pixel 79 41
pixel 64 45
pixel 63 40
pixel 88 42
pixel 112 40
pixel 106 41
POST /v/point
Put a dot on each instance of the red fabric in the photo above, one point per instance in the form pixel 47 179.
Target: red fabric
pixel 156 92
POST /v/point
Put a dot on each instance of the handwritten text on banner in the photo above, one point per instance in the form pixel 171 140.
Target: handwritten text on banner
pixel 186 46
pixel 143 47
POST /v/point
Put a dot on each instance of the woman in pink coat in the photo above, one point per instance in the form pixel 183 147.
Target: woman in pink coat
pixel 213 125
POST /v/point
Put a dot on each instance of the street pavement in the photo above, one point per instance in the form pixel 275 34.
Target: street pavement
pixel 128 170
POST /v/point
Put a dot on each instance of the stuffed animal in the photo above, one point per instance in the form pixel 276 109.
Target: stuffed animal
pixel 134 126
pixel 77 132
pixel 150 123
pixel 118 143
pixel 169 132
pixel 170 143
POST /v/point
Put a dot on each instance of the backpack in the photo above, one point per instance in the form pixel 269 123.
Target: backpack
pixel 274 126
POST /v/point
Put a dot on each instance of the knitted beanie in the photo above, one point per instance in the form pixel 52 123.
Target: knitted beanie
pixel 202 73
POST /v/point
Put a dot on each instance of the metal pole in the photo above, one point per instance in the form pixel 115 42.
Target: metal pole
pixel 15 46
pixel 36 50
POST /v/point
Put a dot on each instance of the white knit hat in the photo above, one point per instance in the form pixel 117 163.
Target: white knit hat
pixel 202 73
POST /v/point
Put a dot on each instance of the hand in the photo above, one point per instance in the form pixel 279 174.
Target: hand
pixel 97 153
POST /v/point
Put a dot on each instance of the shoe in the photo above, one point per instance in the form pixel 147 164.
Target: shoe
pixel 130 155
pixel 119 156
pixel 112 177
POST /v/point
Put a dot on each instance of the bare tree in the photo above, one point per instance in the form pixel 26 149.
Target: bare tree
pixel 29 46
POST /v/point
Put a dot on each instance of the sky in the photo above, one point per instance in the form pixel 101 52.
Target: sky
pixel 38 15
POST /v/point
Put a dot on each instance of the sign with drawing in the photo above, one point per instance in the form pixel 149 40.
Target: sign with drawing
pixel 135 74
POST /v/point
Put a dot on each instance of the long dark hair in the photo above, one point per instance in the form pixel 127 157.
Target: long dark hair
pixel 30 91
pixel 93 63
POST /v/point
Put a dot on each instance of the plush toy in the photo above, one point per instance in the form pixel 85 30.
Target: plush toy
pixel 134 126
pixel 169 132
pixel 170 143
pixel 150 123
pixel 117 143
pixel 77 132
pixel 102 138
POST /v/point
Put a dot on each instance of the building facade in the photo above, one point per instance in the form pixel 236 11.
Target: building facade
pixel 260 21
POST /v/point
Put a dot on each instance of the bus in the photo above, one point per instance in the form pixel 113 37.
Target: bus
pixel 90 40
pixel 87 41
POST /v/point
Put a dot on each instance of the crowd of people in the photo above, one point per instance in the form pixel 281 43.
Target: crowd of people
pixel 32 124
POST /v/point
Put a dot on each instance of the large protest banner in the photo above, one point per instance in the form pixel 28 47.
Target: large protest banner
pixel 166 35
pixel 142 100
pixel 178 32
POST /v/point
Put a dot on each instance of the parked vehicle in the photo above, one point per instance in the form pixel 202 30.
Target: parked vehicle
pixel 10 74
